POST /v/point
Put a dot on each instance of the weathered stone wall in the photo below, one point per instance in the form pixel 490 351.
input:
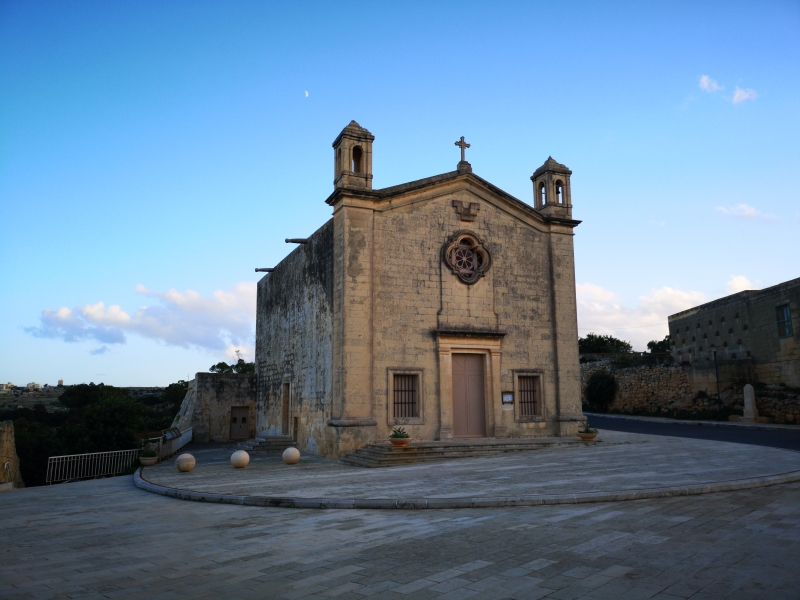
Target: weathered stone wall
pixel 667 390
pixel 295 345
pixel 778 403
pixel 206 408
pixel 10 476
pixel 647 389
pixel 740 327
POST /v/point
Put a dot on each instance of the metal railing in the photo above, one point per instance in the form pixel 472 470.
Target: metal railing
pixel 85 466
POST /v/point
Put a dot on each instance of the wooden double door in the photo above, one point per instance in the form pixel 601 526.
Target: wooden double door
pixel 469 406
pixel 240 428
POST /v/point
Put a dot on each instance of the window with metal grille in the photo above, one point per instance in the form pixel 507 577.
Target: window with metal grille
pixel 406 395
pixel 784 317
pixel 528 396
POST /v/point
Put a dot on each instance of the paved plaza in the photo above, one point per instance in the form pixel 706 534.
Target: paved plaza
pixel 621 462
pixel 108 539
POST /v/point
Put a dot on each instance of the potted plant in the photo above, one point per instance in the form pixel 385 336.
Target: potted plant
pixel 148 457
pixel 399 437
pixel 586 433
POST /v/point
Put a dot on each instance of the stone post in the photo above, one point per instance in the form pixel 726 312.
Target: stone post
pixel 750 408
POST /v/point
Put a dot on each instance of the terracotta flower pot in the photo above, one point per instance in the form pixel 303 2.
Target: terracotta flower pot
pixel 400 442
pixel 148 461
pixel 587 437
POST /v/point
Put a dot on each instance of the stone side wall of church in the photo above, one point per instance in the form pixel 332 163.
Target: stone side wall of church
pixel 415 294
pixel 294 342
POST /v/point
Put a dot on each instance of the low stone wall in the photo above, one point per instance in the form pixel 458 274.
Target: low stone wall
pixel 9 474
pixel 206 408
pixel 643 389
pixel 779 403
pixel 663 390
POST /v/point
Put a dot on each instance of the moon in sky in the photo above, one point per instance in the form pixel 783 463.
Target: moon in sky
pixel 306 94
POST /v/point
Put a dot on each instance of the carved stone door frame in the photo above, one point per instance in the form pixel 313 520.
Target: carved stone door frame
pixel 489 347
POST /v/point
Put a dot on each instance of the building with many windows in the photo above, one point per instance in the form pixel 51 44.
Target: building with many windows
pixel 748 337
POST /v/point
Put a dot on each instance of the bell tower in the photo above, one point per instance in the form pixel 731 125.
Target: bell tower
pixel 352 158
pixel 552 195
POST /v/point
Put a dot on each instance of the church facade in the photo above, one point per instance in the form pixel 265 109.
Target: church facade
pixel 444 306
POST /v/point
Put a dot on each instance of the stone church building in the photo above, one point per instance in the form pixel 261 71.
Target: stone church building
pixel 444 306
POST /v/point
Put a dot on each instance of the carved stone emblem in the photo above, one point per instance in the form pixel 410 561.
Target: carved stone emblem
pixel 467 211
pixel 466 256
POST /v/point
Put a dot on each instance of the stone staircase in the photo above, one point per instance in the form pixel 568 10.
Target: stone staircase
pixel 383 454
pixel 267 444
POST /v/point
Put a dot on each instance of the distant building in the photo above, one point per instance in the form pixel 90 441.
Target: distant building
pixel 60 383
pixel 748 337
pixel 33 386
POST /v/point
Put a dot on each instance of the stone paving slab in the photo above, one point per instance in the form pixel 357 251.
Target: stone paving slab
pixel 106 539
pixel 623 466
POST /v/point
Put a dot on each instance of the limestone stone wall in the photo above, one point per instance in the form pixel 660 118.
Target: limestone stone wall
pixel 644 389
pixel 10 476
pixel 667 390
pixel 295 344
pixel 206 408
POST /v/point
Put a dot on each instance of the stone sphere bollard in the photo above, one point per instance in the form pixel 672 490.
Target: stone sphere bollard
pixel 240 459
pixel 291 456
pixel 185 463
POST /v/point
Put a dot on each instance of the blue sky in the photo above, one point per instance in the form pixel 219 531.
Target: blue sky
pixel 152 154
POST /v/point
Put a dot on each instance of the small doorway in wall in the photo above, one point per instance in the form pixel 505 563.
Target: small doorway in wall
pixel 285 409
pixel 239 425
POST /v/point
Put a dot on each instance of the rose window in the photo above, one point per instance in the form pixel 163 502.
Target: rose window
pixel 466 256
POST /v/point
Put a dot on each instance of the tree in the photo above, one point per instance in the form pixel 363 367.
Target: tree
pixel 36 442
pixel 239 367
pixel 662 346
pixel 602 344
pixel 78 396
pixel 601 389
pixel 111 423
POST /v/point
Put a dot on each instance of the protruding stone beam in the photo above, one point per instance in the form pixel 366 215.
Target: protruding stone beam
pixel 270 270
pixel 296 240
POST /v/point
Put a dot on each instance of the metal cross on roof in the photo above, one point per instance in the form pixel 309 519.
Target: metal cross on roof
pixel 463 145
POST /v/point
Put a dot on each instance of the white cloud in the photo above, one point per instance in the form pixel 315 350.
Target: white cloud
pixel 98 313
pixel 72 327
pixel 708 84
pixel 740 95
pixel 602 311
pixel 743 210
pixel 739 283
pixel 223 322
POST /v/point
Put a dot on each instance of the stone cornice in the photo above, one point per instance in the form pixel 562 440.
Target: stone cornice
pixel 477 333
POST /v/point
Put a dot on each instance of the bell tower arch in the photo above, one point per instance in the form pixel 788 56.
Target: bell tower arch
pixel 352 153
pixel 552 195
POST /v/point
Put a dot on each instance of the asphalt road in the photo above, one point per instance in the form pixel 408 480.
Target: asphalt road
pixel 776 438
